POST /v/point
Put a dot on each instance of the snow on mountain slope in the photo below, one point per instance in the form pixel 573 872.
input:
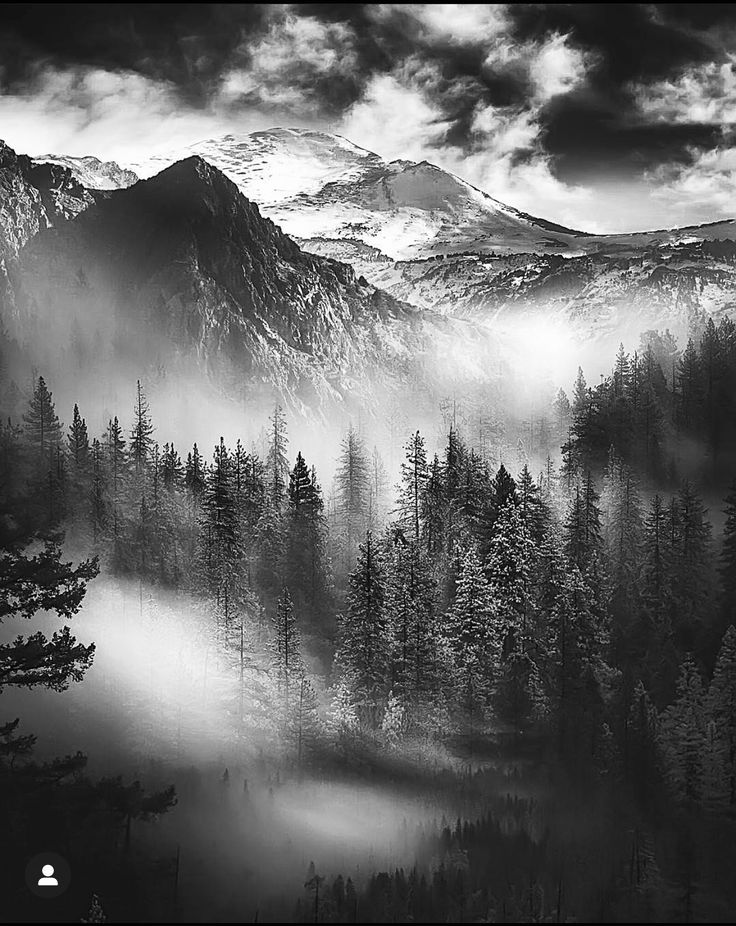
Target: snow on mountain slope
pixel 314 184
pixel 91 172
pixel 183 270
pixel 596 295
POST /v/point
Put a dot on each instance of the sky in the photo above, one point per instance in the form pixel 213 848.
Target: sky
pixel 602 117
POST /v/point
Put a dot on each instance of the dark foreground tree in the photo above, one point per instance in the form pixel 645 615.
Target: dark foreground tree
pixel 42 582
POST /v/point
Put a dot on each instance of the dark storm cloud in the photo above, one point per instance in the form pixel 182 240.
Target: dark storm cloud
pixel 187 44
pixel 593 128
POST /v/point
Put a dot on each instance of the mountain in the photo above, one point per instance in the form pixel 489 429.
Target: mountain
pixel 666 286
pixel 182 269
pixel 93 173
pixel 317 185
pixel 32 197
pixel 432 239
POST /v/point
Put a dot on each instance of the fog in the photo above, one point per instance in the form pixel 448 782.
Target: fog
pixel 160 704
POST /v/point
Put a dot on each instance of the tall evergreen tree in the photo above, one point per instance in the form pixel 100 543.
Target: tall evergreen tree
pixel 277 461
pixel 473 636
pixel 41 424
pixel 352 487
pixel 287 658
pixel 722 709
pixel 363 654
pixel 414 476
pixel 582 532
pixel 306 543
pixel 682 735
pixel 141 439
pixel 78 442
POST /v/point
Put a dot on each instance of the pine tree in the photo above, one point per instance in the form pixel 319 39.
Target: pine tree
pixel 195 473
pixel 688 386
pixel 306 542
pixel 78 442
pixel 692 569
pixel 533 510
pixel 172 471
pixel 43 436
pixel 352 489
pixel 41 424
pixel 433 512
pixel 582 531
pixel 98 505
pixel 378 505
pixel 277 462
pixel 509 565
pixel 305 722
pixel 642 765
pixel 141 440
pixel 363 654
pixel 287 659
pixel 414 476
pixel 728 559
pixel 473 636
pixel 410 603
pixel 682 735
pixel 722 709
pixel 220 528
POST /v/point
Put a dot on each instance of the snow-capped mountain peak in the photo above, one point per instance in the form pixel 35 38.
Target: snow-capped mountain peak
pixel 91 172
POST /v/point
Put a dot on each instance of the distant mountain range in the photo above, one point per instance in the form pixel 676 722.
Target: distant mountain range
pixel 296 259
pixel 182 268
pixel 392 221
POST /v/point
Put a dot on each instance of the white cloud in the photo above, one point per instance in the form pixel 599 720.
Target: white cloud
pixel 280 70
pixel 117 115
pixel 704 95
pixel 456 22
pixel 556 67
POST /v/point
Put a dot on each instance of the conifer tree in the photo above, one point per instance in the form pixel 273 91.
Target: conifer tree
pixel 682 735
pixel 98 506
pixel 473 636
pixel 722 709
pixel 195 473
pixel 410 602
pixel 378 504
pixel 352 488
pixel 414 475
pixel 306 541
pixel 433 513
pixel 40 423
pixel 533 510
pixel 141 440
pixel 172 471
pixel 277 461
pixel 582 530
pixel 78 442
pixel 287 659
pixel 220 528
pixel 363 654
pixel 728 559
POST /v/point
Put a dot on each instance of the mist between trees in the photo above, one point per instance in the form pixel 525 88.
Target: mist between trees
pixel 533 636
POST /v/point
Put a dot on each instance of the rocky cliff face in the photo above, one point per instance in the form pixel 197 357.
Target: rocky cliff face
pixel 33 197
pixel 91 172
pixel 190 271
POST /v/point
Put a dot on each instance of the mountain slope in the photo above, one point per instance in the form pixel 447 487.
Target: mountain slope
pixel 33 197
pixel 314 184
pixel 183 267
pixel 93 173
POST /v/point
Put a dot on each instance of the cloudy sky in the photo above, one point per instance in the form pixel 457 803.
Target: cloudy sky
pixel 602 117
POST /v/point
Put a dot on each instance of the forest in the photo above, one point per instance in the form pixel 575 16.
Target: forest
pixel 534 636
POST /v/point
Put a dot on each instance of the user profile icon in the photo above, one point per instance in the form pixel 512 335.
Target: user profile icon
pixel 48 879
pixel 48 875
